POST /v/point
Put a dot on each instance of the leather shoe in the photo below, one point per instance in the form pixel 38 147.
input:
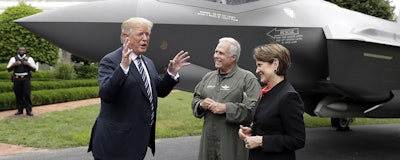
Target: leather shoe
pixel 18 113
pixel 29 114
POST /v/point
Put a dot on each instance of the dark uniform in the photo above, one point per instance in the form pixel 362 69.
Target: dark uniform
pixel 22 66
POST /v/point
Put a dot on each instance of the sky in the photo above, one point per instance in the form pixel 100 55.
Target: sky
pixel 397 5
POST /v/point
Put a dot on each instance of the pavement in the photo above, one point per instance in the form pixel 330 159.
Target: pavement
pixel 362 142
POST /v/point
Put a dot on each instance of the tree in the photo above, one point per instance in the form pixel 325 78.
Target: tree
pixel 377 8
pixel 13 36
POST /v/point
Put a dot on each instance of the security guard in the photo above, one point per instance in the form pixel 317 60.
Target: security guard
pixel 22 66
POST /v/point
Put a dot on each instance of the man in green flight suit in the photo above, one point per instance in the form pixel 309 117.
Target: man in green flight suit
pixel 225 97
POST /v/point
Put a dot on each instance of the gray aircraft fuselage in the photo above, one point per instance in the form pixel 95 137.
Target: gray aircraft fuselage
pixel 344 63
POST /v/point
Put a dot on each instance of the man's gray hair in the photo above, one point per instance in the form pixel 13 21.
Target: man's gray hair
pixel 235 46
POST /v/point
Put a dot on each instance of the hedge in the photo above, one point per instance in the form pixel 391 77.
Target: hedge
pixel 55 84
pixel 38 75
pixel 44 97
pixel 86 71
pixel 81 71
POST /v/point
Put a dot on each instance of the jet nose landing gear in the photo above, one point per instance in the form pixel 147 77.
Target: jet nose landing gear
pixel 341 124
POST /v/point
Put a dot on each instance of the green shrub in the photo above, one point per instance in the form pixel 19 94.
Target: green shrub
pixel 41 75
pixel 38 75
pixel 59 84
pixel 44 97
pixel 86 71
pixel 5 76
pixel 14 35
pixel 6 86
pixel 64 71
pixel 3 66
pixel 7 101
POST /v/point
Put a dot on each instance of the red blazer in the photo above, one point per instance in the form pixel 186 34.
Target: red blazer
pixel 278 117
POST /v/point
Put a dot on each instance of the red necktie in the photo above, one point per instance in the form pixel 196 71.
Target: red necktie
pixel 264 90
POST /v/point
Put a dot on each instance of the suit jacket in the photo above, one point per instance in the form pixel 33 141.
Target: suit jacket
pixel 122 129
pixel 278 117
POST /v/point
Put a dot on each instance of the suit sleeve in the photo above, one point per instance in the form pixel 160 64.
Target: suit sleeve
pixel 111 79
pixel 165 85
pixel 293 138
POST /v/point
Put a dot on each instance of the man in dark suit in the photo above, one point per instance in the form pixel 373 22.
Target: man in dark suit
pixel 129 87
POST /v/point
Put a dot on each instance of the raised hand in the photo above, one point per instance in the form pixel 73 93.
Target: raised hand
pixel 126 52
pixel 180 60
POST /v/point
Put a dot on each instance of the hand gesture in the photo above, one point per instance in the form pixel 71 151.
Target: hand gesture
pixel 253 142
pixel 17 63
pixel 244 132
pixel 26 63
pixel 126 52
pixel 180 60
pixel 207 103
pixel 213 106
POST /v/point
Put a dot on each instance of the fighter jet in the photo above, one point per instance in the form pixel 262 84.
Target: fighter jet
pixel 345 64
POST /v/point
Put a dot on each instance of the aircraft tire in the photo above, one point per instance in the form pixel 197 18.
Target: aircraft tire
pixel 341 124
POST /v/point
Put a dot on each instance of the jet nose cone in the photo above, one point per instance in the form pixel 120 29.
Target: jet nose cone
pixel 83 29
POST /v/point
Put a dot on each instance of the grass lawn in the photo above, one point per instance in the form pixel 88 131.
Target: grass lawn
pixel 72 128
